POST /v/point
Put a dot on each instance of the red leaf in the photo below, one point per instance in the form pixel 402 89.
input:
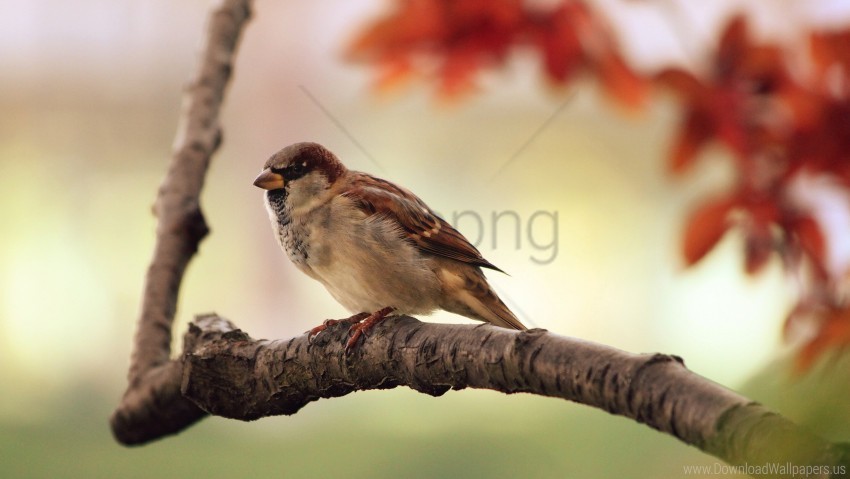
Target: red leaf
pixel 757 249
pixel 556 37
pixel 706 226
pixel 807 230
pixel 415 22
pixel 834 332
pixel 623 84
pixel 759 242
pixel 457 73
pixel 731 120
pixel 680 81
pixel 733 46
pixel 829 49
pixel 393 74
pixel 697 130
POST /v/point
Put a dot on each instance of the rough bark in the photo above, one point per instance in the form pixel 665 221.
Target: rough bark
pixel 223 371
pixel 227 373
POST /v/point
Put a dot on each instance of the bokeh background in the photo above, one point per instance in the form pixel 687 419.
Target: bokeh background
pixel 90 94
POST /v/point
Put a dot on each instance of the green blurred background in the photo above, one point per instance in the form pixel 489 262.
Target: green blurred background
pixel 90 95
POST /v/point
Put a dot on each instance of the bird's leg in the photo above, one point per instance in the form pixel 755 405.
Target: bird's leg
pixel 330 322
pixel 360 328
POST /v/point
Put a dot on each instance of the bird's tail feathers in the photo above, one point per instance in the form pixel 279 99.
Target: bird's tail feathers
pixel 500 315
pixel 471 296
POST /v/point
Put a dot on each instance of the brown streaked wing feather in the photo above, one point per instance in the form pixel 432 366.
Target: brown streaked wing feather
pixel 425 229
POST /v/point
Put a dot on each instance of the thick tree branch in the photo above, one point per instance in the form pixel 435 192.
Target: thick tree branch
pixel 222 371
pixel 226 373
pixel 180 229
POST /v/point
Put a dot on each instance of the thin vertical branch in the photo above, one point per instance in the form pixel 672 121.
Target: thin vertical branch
pixel 180 229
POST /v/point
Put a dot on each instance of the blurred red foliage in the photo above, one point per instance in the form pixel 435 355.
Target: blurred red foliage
pixel 450 41
pixel 779 125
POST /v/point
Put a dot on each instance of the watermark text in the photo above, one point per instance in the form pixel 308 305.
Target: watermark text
pixel 502 229
pixel 766 469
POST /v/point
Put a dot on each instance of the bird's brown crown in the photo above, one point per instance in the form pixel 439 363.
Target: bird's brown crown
pixel 299 159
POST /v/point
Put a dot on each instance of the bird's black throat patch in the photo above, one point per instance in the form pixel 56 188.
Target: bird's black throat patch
pixel 277 201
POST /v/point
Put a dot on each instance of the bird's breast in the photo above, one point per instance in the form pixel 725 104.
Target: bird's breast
pixel 365 262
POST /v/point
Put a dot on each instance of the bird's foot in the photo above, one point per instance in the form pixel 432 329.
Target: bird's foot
pixel 311 334
pixel 360 328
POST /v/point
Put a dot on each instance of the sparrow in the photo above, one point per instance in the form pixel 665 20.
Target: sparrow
pixel 377 248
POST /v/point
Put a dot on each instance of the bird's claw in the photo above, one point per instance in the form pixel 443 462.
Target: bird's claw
pixel 312 333
pixel 362 328
pixel 361 323
pixel 352 340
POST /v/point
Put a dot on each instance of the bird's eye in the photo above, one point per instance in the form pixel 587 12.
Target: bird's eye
pixel 295 170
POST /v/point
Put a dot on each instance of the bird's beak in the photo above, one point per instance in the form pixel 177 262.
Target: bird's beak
pixel 269 180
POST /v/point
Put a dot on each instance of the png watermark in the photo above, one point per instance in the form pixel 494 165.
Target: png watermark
pixel 509 229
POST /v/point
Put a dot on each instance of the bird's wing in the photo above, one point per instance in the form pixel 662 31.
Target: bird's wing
pixel 422 226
